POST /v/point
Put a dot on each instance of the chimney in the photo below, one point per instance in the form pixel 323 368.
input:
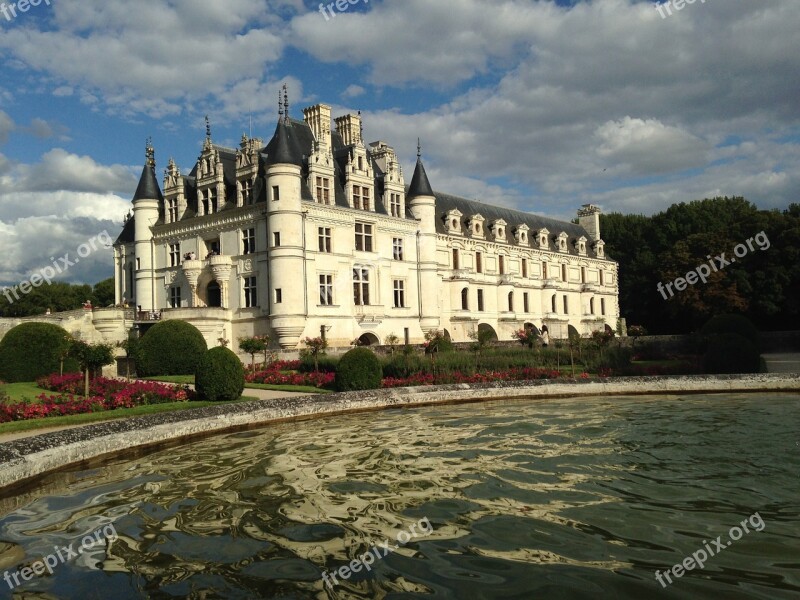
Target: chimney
pixel 318 118
pixel 349 127
pixel 589 219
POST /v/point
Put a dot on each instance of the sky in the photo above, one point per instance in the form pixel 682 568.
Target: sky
pixel 539 105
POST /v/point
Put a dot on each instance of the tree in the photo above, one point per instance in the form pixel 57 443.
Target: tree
pixel 32 350
pixel 481 338
pixel 130 346
pixel 252 346
pixel 103 293
pixel 91 357
pixel 392 340
pixel 315 347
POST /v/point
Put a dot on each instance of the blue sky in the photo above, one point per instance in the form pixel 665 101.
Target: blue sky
pixel 537 105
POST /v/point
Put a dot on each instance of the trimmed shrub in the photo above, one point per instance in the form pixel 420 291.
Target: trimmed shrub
pixel 731 353
pixel 220 375
pixel 327 363
pixel 732 324
pixel 170 348
pixel 32 350
pixel 358 369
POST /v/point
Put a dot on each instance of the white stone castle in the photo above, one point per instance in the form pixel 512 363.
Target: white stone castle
pixel 318 234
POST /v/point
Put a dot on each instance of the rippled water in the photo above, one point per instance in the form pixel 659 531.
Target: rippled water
pixel 540 499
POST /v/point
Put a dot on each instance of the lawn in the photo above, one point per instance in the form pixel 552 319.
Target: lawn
pixel 18 392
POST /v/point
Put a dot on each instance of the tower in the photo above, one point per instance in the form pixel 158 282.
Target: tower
pixel 146 204
pixel 286 233
pixel 422 203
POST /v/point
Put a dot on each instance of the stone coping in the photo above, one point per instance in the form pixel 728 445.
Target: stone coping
pixel 26 460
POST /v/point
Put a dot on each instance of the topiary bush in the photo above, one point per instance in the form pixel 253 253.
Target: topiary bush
pixel 219 376
pixel 170 348
pixel 731 353
pixel 33 350
pixel 732 324
pixel 358 369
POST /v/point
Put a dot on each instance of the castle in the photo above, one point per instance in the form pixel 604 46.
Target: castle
pixel 318 234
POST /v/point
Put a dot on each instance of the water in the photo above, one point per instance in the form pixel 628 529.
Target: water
pixel 538 499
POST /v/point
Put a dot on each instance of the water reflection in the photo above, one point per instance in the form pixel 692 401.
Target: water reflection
pixel 553 499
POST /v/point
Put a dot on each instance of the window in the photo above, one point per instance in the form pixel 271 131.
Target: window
pixel 406 336
pixel 502 263
pixel 524 267
pixel 566 306
pixel 544 270
pixel 212 246
pixel 399 293
pixel 456 264
pixel 276 193
pixel 364 237
pixel 173 210
pixel 326 290
pixel 553 307
pixel 602 306
pixel 323 190
pixel 324 237
pixel 563 272
pixel 210 202
pixel 361 197
pixel 394 205
pixel 478 262
pixel 174 255
pixel 250 292
pixel 591 306
pixel 278 295
pixel 601 277
pixel 510 301
pixel 361 286
pixel 138 264
pixel 397 248
pixel 480 300
pixel 276 238
pixel 175 297
pixel 525 305
pixel 360 163
pixel 246 190
pixel 248 240
pixel 465 299
pixel 583 274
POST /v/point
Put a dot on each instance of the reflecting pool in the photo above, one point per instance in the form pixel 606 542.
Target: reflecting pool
pixel 569 498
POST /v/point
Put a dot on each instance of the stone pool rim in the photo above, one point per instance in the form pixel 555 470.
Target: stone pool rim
pixel 25 461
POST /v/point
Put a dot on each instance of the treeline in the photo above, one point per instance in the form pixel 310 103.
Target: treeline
pixel 762 282
pixel 57 297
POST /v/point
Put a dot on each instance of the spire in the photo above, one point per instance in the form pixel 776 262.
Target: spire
pixel 208 129
pixel 280 106
pixel 285 103
pixel 280 148
pixel 420 186
pixel 148 185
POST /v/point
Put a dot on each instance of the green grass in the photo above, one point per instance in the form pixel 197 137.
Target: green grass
pixel 121 413
pixel 305 389
pixel 18 392
pixel 179 379
pixel 658 363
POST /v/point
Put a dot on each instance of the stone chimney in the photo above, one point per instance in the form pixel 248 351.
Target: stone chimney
pixel 589 219
pixel 318 118
pixel 349 127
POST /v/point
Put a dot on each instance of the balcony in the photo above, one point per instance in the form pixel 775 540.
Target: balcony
pixel 369 313
pixel 461 275
pixel 506 279
pixel 590 287
pixel 550 283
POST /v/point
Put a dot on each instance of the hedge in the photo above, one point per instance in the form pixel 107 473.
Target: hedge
pixel 358 369
pixel 32 350
pixel 170 348
pixel 220 375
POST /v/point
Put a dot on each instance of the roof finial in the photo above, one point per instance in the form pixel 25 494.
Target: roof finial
pixel 150 153
pixel 280 105
pixel 419 150
pixel 208 128
pixel 286 103
pixel 360 128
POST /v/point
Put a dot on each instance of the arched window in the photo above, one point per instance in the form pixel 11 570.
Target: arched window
pixel 510 301
pixel 465 299
pixel 591 306
pixel 553 304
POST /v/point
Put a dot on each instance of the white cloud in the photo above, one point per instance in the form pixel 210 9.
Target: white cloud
pixel 6 127
pixel 353 91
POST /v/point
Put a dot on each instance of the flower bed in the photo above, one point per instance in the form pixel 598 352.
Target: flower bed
pixel 104 394
pixel 276 377
pixel 519 374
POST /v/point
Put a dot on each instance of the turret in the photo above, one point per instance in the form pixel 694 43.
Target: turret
pixel 422 203
pixel 285 232
pixel 146 203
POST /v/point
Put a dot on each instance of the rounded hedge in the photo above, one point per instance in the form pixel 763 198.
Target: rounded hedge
pixel 732 324
pixel 731 353
pixel 358 369
pixel 170 348
pixel 32 350
pixel 220 375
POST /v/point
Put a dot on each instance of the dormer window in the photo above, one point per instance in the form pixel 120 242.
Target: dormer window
pixel 562 242
pixel 476 226
pixel 453 221
pixel 543 235
pixel 580 245
pixel 521 234
pixel 499 230
pixel 599 248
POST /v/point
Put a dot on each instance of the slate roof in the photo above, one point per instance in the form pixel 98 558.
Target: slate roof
pixel 148 188
pixel 420 186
